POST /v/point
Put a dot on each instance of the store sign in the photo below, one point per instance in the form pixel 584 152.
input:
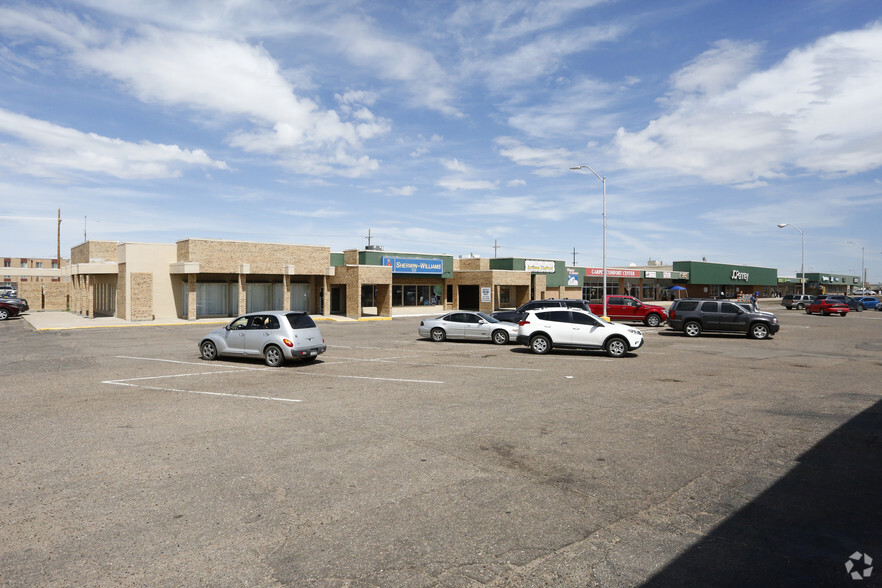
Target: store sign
pixel 486 294
pixel 742 276
pixel 411 265
pixel 538 266
pixel 614 273
pixel 572 276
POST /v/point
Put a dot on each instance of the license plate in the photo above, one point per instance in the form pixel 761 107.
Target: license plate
pixel 313 352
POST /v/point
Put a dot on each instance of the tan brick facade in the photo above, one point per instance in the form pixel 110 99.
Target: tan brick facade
pixel 225 257
pixel 142 297
pixel 92 251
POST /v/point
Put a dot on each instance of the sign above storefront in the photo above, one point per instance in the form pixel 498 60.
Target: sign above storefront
pixel 538 266
pixel 613 272
pixel 412 265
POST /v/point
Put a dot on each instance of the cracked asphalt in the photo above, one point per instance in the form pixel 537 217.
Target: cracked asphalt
pixel 396 461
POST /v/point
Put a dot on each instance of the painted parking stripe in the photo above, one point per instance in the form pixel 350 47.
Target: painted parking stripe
pixel 124 383
pixel 301 373
pixel 397 361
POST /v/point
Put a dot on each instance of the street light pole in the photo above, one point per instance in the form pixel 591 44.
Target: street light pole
pixel 802 271
pixel 863 281
pixel 603 181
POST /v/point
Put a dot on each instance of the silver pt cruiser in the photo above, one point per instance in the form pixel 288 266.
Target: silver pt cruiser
pixel 273 335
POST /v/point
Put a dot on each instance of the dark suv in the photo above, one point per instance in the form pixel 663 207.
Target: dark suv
pixel 694 315
pixel 515 316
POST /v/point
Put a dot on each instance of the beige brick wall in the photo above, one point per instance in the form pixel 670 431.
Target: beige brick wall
pixel 45 295
pixel 142 297
pixel 470 263
pixel 121 292
pixel 225 257
pixel 93 250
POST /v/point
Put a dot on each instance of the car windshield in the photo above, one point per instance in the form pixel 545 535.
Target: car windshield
pixel 487 318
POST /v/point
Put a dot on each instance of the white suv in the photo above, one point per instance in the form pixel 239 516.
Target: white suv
pixel 571 327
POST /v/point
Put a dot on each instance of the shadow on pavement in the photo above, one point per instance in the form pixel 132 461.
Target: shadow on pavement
pixel 803 530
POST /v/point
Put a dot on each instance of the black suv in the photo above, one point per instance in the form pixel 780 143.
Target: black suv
pixel 694 315
pixel 515 316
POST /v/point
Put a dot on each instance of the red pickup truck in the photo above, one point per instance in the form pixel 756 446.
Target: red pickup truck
pixel 628 308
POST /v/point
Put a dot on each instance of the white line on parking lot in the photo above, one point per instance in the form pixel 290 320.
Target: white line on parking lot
pixel 238 367
pixel 397 361
pixel 125 383
pixel 299 373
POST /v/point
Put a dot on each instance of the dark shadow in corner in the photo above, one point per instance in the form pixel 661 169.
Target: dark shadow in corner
pixel 803 530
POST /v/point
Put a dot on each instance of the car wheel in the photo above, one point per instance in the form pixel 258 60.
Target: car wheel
pixel 500 337
pixel 272 356
pixel 653 320
pixel 540 344
pixel 4 314
pixel 860 308
pixel 759 331
pixel 616 347
pixel 798 307
pixel 843 313
pixel 692 329
pixel 807 311
pixel 438 335
pixel 209 350
pixel 825 313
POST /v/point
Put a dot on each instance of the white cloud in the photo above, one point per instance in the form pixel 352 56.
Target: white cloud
pixel 454 165
pixel 819 110
pixel 403 191
pixel 458 183
pixel 548 162
pixel 53 151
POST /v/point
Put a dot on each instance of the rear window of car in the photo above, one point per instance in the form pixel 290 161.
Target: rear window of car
pixel 300 321
pixel 687 305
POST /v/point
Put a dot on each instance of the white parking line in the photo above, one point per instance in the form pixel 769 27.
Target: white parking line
pixel 397 361
pixel 124 383
pixel 302 373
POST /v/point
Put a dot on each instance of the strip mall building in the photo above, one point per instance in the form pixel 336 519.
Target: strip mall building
pixel 199 278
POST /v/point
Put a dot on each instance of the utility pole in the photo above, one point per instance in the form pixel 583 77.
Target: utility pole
pixel 495 247
pixel 369 238
pixel 58 241
pixel 574 256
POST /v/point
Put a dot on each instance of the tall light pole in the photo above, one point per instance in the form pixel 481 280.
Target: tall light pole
pixel 603 180
pixel 802 271
pixel 863 282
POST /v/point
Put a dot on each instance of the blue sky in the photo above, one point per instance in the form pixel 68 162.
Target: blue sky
pixel 448 127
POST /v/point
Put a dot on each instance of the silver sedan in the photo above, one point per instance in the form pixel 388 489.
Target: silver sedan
pixel 464 324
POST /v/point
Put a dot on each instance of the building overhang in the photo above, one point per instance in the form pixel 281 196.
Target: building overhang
pixel 184 267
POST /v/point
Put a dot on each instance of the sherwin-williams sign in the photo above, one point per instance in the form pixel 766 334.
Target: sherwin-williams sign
pixel 412 265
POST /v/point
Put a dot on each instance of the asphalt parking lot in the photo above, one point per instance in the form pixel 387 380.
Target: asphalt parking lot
pixel 396 461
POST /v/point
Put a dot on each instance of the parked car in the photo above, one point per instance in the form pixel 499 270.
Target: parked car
pixel 8 291
pixel 515 316
pixel 546 328
pixel 869 302
pixel 853 303
pixel 694 316
pixel 7 310
pixel 827 306
pixel 473 326
pixel 21 303
pixel 628 308
pixel 798 301
pixel 273 335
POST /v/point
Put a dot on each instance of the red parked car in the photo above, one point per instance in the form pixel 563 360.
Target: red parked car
pixel 827 306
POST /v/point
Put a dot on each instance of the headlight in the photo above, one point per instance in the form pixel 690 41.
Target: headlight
pixel 635 332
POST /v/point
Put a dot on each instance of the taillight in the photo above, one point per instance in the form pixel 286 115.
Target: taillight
pixel 422 324
pixel 672 314
pixel 522 323
pixel 288 343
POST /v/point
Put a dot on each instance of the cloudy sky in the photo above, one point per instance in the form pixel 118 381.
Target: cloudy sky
pixel 448 127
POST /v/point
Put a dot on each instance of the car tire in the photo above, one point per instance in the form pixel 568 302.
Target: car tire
pixel 692 329
pixel 843 313
pixel 272 356
pixel 860 308
pixel 807 311
pixel 652 320
pixel 616 347
pixel 208 350
pixel 500 337
pixel 759 331
pixel 4 314
pixel 540 344
pixel 438 335
pixel 798 307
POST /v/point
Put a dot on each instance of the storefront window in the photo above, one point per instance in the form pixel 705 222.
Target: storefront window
pixel 416 295
pixel 504 295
